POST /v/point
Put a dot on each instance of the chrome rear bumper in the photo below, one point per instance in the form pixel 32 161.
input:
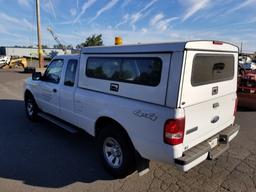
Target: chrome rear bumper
pixel 204 150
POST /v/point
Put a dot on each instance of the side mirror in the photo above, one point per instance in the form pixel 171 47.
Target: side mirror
pixel 36 76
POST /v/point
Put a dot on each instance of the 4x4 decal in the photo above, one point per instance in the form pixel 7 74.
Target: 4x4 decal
pixel 151 116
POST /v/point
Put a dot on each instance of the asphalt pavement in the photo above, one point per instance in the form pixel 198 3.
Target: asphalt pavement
pixel 42 157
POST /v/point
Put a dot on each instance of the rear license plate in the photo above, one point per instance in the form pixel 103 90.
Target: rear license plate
pixel 213 142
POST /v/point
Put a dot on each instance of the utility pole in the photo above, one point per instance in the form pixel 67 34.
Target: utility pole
pixel 241 49
pixel 40 51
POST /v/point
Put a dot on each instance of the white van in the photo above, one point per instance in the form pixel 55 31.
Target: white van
pixel 170 102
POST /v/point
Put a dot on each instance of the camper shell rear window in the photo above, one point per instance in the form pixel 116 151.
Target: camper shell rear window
pixel 136 70
pixel 212 68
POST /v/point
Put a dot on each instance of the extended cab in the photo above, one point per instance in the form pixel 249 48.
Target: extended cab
pixel 170 102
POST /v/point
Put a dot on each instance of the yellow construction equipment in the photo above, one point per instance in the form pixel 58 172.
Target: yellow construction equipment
pixel 16 63
pixel 56 38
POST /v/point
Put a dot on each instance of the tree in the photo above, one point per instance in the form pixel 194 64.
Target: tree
pixel 53 53
pixel 44 46
pixel 94 40
pixel 69 47
pixel 59 46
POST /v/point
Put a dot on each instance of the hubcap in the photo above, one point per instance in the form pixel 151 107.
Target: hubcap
pixel 112 152
pixel 30 108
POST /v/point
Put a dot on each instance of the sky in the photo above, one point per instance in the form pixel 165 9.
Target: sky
pixel 136 21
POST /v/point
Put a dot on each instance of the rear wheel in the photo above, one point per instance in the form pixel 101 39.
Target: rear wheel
pixel 116 152
pixel 31 108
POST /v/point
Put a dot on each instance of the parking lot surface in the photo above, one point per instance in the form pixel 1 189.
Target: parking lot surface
pixel 42 157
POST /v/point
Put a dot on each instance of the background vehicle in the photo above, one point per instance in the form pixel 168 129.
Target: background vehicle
pixel 8 62
pixel 247 88
pixel 249 66
pixel 4 60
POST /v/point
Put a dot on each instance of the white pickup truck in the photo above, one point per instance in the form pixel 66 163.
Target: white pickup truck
pixel 170 102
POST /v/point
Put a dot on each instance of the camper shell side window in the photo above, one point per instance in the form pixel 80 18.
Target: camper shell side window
pixel 136 70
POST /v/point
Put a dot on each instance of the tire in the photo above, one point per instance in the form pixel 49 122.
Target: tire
pixel 31 108
pixel 114 145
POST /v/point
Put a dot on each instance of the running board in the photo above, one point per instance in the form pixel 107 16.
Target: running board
pixel 66 126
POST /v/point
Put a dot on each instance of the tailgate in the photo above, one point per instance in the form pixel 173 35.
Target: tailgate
pixel 208 94
pixel 208 118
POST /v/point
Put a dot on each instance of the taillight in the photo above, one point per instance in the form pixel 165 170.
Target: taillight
pixel 235 109
pixel 174 131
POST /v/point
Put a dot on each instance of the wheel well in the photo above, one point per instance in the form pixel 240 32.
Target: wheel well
pixel 28 94
pixel 103 121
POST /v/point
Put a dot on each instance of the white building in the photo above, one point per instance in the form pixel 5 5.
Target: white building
pixel 30 52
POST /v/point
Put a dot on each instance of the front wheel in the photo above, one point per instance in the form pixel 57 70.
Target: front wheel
pixel 31 108
pixel 116 152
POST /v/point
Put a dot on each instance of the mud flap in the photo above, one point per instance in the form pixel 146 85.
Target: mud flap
pixel 142 164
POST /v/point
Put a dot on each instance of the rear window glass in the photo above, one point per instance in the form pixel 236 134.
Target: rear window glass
pixel 209 69
pixel 143 71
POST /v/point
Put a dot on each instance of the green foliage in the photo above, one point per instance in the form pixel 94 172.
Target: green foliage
pixel 69 47
pixel 59 46
pixel 44 46
pixel 94 40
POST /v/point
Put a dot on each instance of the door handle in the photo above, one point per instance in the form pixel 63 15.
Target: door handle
pixel 54 90
pixel 114 87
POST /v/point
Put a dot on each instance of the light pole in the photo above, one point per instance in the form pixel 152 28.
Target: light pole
pixel 40 51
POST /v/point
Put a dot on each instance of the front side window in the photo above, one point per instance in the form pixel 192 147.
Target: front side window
pixel 210 68
pixel 70 74
pixel 53 71
pixel 144 71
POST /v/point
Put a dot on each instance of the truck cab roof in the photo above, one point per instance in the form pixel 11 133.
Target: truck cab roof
pixel 69 56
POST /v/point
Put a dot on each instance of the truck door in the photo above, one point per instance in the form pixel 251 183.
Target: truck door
pixel 48 97
pixel 67 90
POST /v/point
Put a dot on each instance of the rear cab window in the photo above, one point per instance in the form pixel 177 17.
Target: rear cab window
pixel 212 68
pixel 70 74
